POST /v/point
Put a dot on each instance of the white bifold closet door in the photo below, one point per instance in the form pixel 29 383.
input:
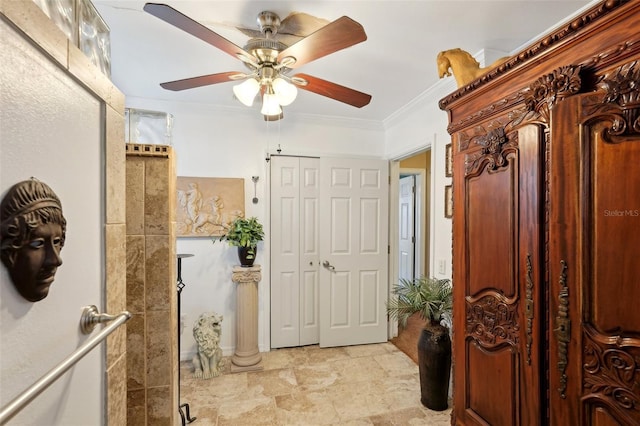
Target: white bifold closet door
pixel 294 251
pixel 329 251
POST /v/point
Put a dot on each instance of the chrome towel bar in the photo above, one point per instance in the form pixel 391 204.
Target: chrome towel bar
pixel 90 317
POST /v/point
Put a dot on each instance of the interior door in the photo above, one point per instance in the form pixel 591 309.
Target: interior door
pixel 294 251
pixel 354 196
pixel 406 249
pixel 498 342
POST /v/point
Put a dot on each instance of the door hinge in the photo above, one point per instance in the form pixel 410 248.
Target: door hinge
pixel 388 249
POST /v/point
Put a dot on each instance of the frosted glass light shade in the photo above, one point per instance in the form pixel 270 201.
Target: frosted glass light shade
pixel 285 91
pixel 270 105
pixel 247 91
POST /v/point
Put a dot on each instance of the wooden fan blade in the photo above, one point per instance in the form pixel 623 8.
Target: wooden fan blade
pixel 334 91
pixel 337 35
pixel 178 20
pixel 203 80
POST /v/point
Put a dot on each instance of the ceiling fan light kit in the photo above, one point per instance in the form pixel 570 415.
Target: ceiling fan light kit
pixel 246 91
pixel 270 60
pixel 270 105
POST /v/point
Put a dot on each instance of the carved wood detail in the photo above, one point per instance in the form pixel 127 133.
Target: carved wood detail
pixel 496 148
pixel 538 100
pixel 504 104
pixel 545 92
pixel 493 109
pixel 529 308
pixel 611 372
pixel 542 45
pixel 492 321
pixel 563 329
pixel 620 103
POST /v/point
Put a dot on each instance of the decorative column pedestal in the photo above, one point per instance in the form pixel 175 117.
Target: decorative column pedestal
pixel 247 356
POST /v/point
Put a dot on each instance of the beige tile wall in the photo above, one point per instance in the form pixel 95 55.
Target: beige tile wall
pixel 152 380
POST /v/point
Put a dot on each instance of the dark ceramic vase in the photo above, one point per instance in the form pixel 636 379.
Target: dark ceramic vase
pixel 434 363
pixel 243 252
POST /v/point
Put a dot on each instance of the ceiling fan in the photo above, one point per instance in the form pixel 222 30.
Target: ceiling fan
pixel 270 60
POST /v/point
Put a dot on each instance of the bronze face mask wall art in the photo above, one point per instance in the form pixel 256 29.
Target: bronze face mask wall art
pixel 32 233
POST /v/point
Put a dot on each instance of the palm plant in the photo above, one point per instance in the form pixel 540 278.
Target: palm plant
pixel 431 297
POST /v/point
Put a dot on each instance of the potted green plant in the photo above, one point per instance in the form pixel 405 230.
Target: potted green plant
pixel 432 298
pixel 244 233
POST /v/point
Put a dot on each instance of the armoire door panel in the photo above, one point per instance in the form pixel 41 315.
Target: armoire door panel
pixel 611 323
pixel 592 228
pixel 493 387
pixel 611 366
pixel 601 417
pixel 615 213
pixel 490 232
pixel 503 198
pixel 532 142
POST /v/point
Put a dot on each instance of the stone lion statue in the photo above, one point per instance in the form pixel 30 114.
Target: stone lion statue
pixel 208 362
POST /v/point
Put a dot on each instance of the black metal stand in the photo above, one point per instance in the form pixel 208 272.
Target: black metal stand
pixel 183 409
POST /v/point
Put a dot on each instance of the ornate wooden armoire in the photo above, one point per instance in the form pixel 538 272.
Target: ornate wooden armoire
pixel 546 229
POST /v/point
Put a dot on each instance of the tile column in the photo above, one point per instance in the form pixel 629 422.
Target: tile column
pixel 247 356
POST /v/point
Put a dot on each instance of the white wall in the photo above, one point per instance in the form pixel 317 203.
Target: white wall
pixel 51 129
pixel 212 142
pixel 419 125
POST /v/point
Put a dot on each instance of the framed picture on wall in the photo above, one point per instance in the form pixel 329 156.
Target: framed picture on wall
pixel 448 168
pixel 206 206
pixel 448 201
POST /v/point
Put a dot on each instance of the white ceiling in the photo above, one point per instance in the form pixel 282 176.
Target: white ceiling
pixel 395 64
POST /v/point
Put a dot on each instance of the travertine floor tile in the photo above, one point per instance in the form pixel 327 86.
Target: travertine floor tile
pixel 285 358
pixel 396 363
pixel 369 350
pixel 326 355
pixel 316 376
pixel 355 370
pixel 348 386
pixel 273 382
pixel 306 408
pixel 242 411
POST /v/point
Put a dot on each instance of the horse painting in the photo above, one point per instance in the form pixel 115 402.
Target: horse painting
pixel 464 66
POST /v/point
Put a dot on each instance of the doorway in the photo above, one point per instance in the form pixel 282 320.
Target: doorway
pixel 410 237
pixel 415 176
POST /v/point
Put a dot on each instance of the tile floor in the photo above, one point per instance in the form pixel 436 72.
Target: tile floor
pixel 354 385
